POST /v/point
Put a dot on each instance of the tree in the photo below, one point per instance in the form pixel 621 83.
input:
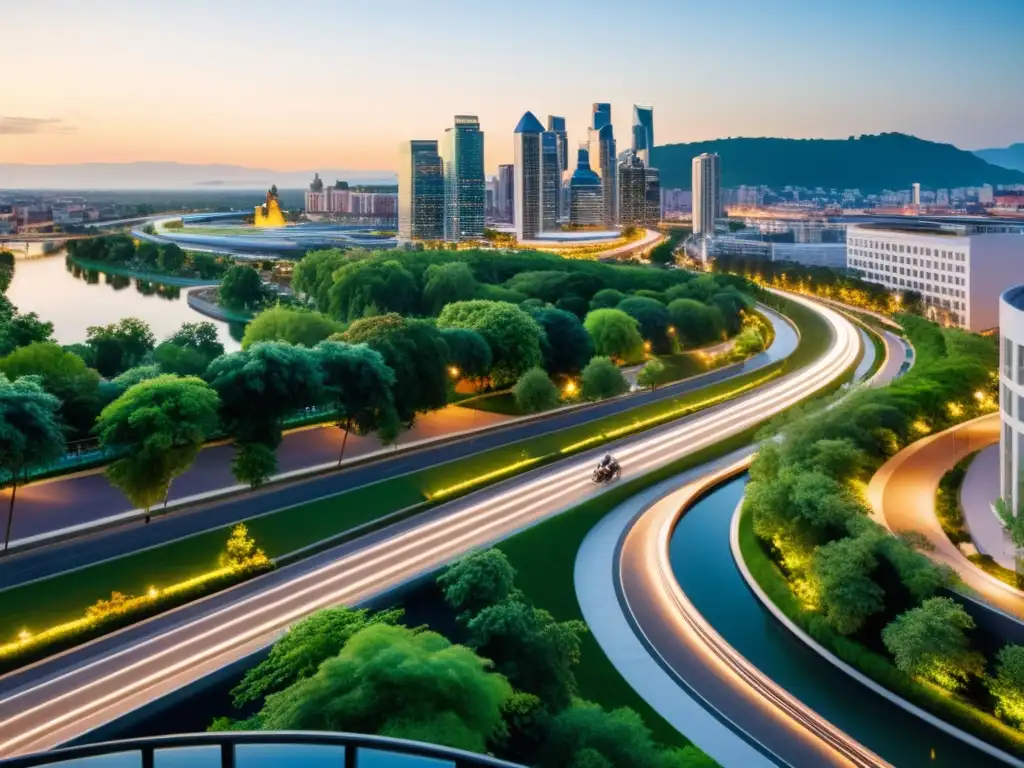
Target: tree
pixel 468 352
pixel 663 253
pixel 841 571
pixel 207 266
pixel 415 351
pixel 170 258
pixel 536 653
pixel 6 269
pixel 293 326
pixel 303 648
pixel 147 253
pixel 358 382
pixel 1007 685
pixel 314 275
pixel 615 334
pixel 190 350
pixel 535 391
pixel 513 336
pixel 20 330
pixel 30 434
pixel 651 374
pixel 606 298
pixel 62 374
pixel 367 288
pixel 653 321
pixel 602 378
pixel 119 346
pixel 476 581
pixel 931 641
pixel 159 425
pixel 396 682
pixel 696 324
pixel 253 463
pixel 731 303
pixel 201 336
pixel 566 346
pixel 527 722
pixel 241 288
pixel 911 302
pixel 445 284
pixel 133 376
pixel 181 361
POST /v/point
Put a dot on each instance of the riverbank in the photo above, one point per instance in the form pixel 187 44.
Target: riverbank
pixel 153 277
pixel 204 301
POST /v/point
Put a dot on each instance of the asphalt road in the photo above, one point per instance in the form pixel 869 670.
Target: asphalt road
pixel 133 535
pixel 68 695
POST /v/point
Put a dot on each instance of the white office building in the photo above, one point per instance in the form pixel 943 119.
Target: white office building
pixel 959 269
pixel 1011 396
pixel 707 193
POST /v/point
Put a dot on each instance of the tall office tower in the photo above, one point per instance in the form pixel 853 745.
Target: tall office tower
pixel 602 151
pixel 643 132
pixel 586 200
pixel 550 181
pixel 528 135
pixel 421 202
pixel 652 195
pixel 506 191
pixel 463 156
pixel 632 188
pixel 557 124
pixel 707 193
pixel 601 115
pixel 915 198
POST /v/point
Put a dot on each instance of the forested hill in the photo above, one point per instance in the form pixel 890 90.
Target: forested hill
pixel 868 163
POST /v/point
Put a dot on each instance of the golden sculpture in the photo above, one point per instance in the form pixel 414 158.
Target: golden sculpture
pixel 269 214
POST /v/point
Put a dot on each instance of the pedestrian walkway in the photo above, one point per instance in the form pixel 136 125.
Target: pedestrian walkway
pixel 978 494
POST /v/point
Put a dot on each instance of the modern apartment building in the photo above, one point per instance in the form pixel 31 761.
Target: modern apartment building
pixel 586 201
pixel 1011 396
pixel 632 189
pixel 506 192
pixel 652 195
pixel 421 200
pixel 707 193
pixel 643 132
pixel 557 125
pixel 462 153
pixel 550 181
pixel 959 269
pixel 602 154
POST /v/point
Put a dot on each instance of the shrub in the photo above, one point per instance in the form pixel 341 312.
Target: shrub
pixel 602 378
pixel 535 391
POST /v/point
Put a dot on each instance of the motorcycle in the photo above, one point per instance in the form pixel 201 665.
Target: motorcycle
pixel 607 472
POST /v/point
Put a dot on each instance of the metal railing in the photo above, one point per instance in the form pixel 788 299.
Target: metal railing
pixel 231 749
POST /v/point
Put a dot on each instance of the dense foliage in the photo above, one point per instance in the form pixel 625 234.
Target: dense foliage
pixel 145 256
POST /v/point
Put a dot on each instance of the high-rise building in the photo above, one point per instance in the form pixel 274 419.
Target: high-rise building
pixel 643 132
pixel 915 195
pixel 632 189
pixel 601 115
pixel 586 201
pixel 707 193
pixel 421 199
pixel 463 156
pixel 652 195
pixel 557 125
pixel 506 192
pixel 550 181
pixel 528 177
pixel 602 151
pixel 985 194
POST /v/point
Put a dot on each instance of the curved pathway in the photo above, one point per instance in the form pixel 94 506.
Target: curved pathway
pixel 67 695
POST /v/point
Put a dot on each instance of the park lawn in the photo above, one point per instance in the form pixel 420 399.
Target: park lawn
pixel 879 668
pixel 65 597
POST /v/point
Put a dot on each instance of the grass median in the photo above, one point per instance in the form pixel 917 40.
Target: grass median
pixel 65 597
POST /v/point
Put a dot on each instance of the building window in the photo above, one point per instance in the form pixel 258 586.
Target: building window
pixel 1020 364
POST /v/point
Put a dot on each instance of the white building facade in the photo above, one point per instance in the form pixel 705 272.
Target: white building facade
pixel 707 193
pixel 1011 396
pixel 959 274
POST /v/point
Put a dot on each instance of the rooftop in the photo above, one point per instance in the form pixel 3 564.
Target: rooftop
pixel 528 123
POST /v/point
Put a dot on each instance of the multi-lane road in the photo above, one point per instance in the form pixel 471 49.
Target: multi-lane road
pixel 69 695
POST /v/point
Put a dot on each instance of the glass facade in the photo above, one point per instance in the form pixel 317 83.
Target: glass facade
pixel 586 197
pixel 421 192
pixel 557 125
pixel 632 190
pixel 643 132
pixel 550 181
pixel 464 182
pixel 528 136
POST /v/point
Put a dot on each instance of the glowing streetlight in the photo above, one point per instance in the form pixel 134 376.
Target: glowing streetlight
pixel 647 346
pixel 453 371
pixel 24 636
pixel 153 592
pixel 570 388
pixel 671 330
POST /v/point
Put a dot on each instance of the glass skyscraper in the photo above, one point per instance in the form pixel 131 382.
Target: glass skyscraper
pixel 586 201
pixel 528 177
pixel 602 115
pixel 632 189
pixel 464 182
pixel 420 191
pixel 557 125
pixel 643 131
pixel 506 191
pixel 550 180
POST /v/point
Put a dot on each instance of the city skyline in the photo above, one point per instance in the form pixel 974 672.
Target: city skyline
pixel 245 94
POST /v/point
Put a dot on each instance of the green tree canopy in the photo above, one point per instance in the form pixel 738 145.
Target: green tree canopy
pixel 602 378
pixel 445 284
pixel 652 374
pixel 160 425
pixel 1007 684
pixel 120 346
pixel 19 330
pixel 200 336
pixel 293 326
pixel 615 334
pixel 513 336
pixel 241 288
pixel 607 298
pixel 535 391
pixel 253 463
pixel 30 434
pixel 469 352
pixel 299 653
pixel 566 346
pixel 314 275
pixel 415 351
pixel 170 258
pixel 696 324
pixel 6 269
pixel 397 682
pixel 841 571
pixel 653 320
pixel 367 288
pixel 181 361
pixel 931 641
pixel 731 303
pixel 476 581
pixel 146 254
pixel 63 375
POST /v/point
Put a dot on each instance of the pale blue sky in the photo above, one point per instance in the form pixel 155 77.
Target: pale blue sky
pixel 335 83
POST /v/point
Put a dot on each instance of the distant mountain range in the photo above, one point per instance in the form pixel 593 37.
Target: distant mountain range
pixel 868 163
pixel 145 175
pixel 1008 157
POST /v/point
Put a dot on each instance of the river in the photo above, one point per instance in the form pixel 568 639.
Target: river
pixel 74 299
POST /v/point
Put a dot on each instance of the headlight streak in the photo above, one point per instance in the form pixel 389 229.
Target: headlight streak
pixel 100 683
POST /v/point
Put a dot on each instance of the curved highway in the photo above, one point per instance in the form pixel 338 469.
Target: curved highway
pixel 66 696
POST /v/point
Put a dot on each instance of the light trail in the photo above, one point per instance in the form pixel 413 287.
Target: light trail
pixel 78 698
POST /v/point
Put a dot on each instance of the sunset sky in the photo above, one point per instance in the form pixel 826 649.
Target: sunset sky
pixel 335 83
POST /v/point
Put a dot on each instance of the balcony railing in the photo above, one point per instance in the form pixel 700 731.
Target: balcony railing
pixel 269 749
